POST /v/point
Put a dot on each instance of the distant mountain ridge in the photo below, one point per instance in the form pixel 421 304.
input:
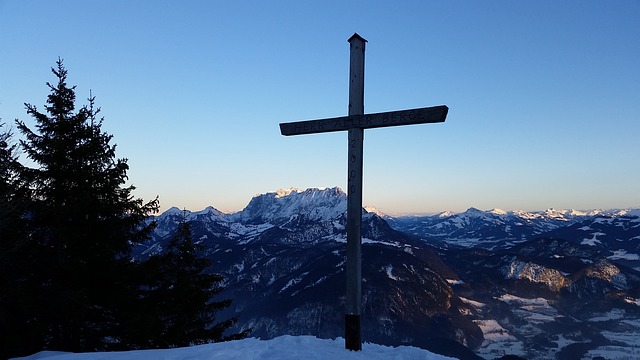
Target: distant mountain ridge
pixel 496 228
pixel 322 202
pixel 489 229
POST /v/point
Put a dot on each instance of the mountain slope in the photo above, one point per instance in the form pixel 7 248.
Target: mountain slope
pixel 535 284
pixel 283 260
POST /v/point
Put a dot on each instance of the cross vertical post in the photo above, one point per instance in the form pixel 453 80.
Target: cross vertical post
pixel 353 338
pixel 355 123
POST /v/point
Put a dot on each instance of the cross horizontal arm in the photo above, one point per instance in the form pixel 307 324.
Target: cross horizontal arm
pixel 433 114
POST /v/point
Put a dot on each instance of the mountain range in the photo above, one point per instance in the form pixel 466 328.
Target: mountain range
pixel 477 284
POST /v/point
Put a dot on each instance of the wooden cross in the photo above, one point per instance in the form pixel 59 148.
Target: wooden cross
pixel 355 123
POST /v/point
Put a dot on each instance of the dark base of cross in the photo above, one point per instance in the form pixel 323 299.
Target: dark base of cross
pixel 352 332
pixel 355 123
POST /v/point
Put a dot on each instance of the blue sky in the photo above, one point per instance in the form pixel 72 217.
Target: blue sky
pixel 544 96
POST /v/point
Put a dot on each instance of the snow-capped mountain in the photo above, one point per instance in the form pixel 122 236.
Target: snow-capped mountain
pixel 283 260
pixel 496 228
pixel 286 205
pixel 534 284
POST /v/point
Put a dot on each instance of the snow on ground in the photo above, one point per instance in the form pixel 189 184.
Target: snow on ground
pixel 477 304
pixel 633 322
pixel 629 338
pixel 614 314
pixel 370 241
pixel 594 239
pixel 281 348
pixel 623 254
pixel 533 305
pixel 497 341
pixel 632 301
pixel 389 270
pixel 613 353
pixel 494 332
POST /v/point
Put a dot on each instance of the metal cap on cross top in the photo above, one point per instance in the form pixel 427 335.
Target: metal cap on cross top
pixel 355 36
pixel 355 123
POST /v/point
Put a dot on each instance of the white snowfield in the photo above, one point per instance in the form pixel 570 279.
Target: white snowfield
pixel 280 348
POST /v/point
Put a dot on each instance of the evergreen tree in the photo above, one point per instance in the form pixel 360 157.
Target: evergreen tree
pixel 82 223
pixel 12 189
pixel 183 297
pixel 9 166
pixel 15 326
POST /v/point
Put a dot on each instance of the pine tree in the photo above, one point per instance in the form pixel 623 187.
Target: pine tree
pixel 82 223
pixel 12 189
pixel 8 177
pixel 15 326
pixel 183 296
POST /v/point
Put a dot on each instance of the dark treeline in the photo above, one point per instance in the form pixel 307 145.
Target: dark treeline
pixel 67 226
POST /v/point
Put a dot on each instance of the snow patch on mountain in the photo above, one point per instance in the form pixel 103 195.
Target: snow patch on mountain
pixel 593 241
pixel 389 271
pixel 536 310
pixel 498 212
pixel 294 281
pixel 374 210
pixel 209 212
pixel 497 340
pixel 280 193
pixel 623 254
pixel 445 214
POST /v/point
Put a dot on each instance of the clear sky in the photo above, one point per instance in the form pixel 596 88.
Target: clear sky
pixel 544 96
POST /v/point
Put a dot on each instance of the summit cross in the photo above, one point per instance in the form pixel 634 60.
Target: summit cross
pixel 355 123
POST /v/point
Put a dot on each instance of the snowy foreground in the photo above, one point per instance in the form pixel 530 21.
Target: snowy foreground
pixel 281 348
